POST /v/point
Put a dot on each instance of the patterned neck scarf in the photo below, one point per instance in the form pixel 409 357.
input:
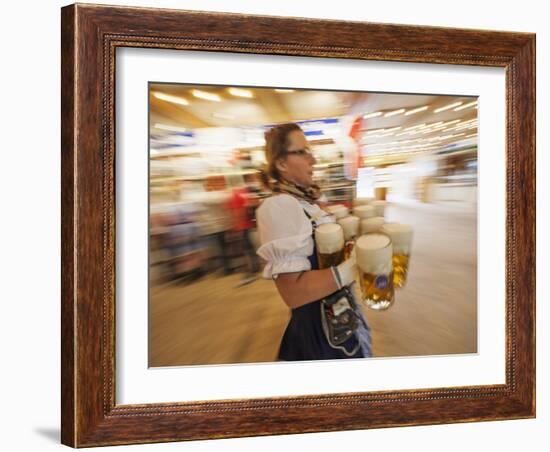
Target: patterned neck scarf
pixel 310 194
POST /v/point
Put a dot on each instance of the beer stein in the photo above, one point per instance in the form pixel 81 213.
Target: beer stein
pixel 364 211
pixel 350 226
pixel 379 207
pixel 329 238
pixel 372 224
pixel 374 261
pixel 401 237
pixel 339 211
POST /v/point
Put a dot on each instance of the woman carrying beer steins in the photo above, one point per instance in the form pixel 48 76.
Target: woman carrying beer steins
pixel 326 321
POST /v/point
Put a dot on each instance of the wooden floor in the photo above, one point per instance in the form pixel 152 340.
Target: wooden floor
pixel 212 321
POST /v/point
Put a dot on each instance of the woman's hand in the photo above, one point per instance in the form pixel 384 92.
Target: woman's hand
pixel 347 270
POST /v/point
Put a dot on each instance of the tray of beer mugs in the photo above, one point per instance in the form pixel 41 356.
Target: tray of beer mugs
pixel 382 250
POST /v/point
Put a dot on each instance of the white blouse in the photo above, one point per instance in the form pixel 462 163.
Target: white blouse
pixel 285 233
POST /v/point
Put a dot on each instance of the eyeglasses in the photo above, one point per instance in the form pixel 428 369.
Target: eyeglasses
pixel 302 152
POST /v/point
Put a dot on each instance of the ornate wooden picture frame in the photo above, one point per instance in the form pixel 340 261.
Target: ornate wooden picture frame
pixel 90 36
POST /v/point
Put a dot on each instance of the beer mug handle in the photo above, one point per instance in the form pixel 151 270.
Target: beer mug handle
pixel 353 254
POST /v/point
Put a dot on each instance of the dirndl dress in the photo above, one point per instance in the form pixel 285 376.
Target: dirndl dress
pixel 304 338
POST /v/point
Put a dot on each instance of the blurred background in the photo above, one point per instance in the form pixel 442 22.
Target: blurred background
pixel 208 302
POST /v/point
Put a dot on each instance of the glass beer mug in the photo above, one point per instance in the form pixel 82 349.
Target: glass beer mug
pixel 401 237
pixel 372 224
pixel 329 238
pixel 374 261
pixel 364 211
pixel 339 211
pixel 379 207
pixel 350 226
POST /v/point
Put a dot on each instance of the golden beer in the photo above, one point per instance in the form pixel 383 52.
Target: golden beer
pixel 374 260
pixel 350 226
pixel 329 239
pixel 400 269
pixel 371 224
pixel 401 236
pixel 379 207
pixel 364 212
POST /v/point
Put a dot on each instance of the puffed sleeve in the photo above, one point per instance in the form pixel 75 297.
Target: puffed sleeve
pixel 285 236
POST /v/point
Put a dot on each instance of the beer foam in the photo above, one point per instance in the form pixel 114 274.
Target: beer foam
pixel 364 211
pixel 362 201
pixel 379 207
pixel 350 225
pixel 371 224
pixel 329 238
pixel 339 211
pixel 374 253
pixel 401 236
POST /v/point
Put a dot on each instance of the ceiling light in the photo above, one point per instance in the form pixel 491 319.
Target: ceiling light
pixel 205 95
pixel 169 127
pixel 465 126
pixel 446 137
pixel 416 126
pixel 372 132
pixel 372 115
pixel 447 107
pixel 223 116
pixel 468 105
pixel 445 124
pixel 394 112
pixel 433 124
pixel 239 92
pixel 169 98
pixel 281 90
pixel 416 110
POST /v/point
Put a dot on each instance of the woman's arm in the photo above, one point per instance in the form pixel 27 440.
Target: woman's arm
pixel 285 234
pixel 300 288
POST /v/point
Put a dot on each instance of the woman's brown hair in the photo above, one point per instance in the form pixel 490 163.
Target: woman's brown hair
pixel 276 143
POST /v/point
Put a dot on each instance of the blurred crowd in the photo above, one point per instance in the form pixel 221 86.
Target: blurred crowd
pixel 208 230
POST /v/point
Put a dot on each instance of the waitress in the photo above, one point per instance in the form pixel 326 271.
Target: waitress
pixel 286 223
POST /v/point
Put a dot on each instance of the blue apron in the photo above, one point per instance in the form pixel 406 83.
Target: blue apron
pixel 304 338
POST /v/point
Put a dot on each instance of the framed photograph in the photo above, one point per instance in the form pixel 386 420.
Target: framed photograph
pixel 277 225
